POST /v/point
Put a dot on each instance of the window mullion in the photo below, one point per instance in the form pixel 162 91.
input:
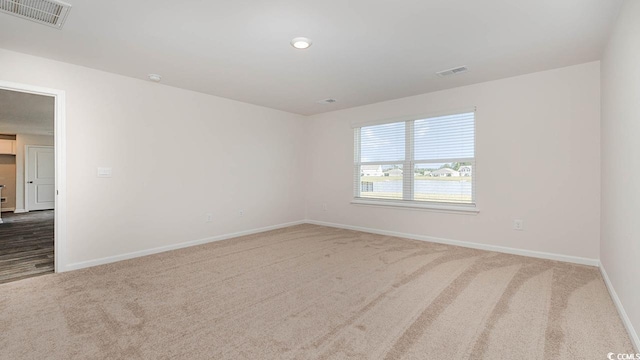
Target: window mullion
pixel 357 163
pixel 407 166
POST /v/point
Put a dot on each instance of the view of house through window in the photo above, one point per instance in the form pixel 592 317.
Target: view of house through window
pixel 421 160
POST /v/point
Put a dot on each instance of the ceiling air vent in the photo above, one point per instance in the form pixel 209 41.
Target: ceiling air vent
pixel 48 12
pixel 453 71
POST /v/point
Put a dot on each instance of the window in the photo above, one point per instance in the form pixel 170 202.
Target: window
pixel 422 162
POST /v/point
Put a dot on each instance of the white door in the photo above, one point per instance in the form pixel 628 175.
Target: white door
pixel 41 170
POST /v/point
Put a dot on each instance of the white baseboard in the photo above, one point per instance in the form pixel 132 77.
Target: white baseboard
pixel 135 254
pixel 502 249
pixel 467 244
pixel 4 209
pixel 623 314
pixel 20 211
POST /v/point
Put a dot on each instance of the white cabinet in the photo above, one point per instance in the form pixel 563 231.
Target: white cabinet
pixel 7 147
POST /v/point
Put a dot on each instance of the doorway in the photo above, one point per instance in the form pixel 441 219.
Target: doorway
pixel 33 235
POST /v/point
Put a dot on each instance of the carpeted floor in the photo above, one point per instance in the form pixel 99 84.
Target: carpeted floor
pixel 311 292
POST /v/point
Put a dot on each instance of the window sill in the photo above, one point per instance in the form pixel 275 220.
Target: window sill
pixel 447 208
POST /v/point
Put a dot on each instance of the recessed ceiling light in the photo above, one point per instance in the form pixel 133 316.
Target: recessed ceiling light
pixel 155 77
pixel 301 42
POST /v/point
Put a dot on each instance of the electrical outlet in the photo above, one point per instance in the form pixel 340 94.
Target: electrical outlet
pixel 241 212
pixel 518 225
pixel 209 218
pixel 324 206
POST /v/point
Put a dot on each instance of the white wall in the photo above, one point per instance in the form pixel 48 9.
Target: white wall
pixel 176 155
pixel 538 159
pixel 620 238
pixel 23 140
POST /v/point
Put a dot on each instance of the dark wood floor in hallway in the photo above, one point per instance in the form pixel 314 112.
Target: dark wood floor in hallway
pixel 26 245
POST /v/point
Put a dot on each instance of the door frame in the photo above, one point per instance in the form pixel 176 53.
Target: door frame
pixel 26 171
pixel 60 145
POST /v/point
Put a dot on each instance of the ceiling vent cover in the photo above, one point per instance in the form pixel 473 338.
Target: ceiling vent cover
pixel 453 71
pixel 48 12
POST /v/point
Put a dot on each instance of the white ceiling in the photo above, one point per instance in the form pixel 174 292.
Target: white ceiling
pixel 22 113
pixel 364 51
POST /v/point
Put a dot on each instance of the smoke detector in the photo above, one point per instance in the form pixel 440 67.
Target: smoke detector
pixel 152 77
pixel 327 101
pixel 47 12
pixel 454 71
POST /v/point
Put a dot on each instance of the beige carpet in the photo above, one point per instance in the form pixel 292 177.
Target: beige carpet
pixel 311 292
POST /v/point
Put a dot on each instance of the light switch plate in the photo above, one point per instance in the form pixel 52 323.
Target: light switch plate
pixel 104 172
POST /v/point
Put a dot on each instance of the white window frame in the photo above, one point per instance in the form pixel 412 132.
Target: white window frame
pixel 409 163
